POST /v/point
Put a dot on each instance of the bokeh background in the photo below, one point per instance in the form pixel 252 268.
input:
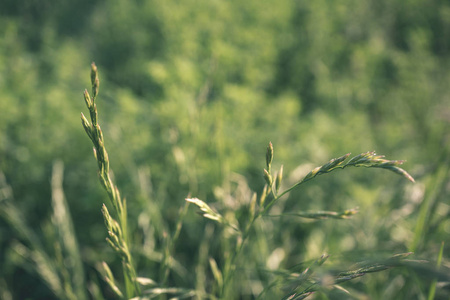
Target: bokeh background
pixel 191 93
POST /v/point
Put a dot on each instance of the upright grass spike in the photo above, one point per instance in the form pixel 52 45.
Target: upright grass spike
pixel 278 180
pixel 269 157
pixel 94 80
pixel 117 230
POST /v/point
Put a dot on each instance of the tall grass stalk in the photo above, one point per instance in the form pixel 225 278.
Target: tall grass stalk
pixel 117 230
pixel 66 234
pixel 169 247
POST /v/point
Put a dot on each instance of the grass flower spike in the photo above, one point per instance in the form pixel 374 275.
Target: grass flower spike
pixel 117 230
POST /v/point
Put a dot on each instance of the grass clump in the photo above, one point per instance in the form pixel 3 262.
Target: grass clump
pixel 230 268
pixel 259 208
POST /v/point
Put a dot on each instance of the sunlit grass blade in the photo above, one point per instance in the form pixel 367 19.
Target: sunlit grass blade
pixel 322 214
pixel 209 213
pixel 44 266
pixel 63 223
pixel 175 293
pixel 216 273
pixel 108 277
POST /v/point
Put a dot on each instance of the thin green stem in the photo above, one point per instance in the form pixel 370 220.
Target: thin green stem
pixel 230 266
pixel 432 291
pixel 170 245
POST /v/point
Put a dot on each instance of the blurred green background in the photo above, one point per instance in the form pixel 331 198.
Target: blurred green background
pixel 192 92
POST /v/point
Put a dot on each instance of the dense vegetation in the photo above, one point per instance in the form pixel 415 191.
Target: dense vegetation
pixel 191 94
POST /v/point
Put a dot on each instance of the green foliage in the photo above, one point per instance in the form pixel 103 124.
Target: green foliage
pixel 192 92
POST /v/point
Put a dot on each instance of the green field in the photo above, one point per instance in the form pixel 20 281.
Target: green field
pixel 210 101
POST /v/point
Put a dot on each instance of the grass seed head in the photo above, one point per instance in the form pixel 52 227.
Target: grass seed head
pixel 269 156
pixel 252 207
pixel 87 99
pixel 268 178
pixel 86 126
pixel 278 179
pixel 94 80
pixel 262 199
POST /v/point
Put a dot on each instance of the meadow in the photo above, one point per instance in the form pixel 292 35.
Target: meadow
pixel 225 149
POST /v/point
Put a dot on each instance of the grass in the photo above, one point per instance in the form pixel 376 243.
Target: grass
pixel 259 208
pixel 60 267
pixel 234 259
pixel 301 284
pixel 117 230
